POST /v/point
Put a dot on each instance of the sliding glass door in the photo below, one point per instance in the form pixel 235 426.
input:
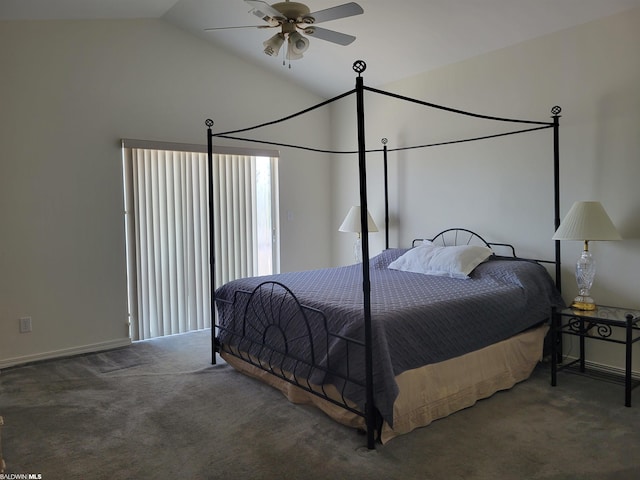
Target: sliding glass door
pixel 166 218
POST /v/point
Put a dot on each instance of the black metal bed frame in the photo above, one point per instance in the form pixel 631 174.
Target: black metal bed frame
pixel 284 363
pixel 260 328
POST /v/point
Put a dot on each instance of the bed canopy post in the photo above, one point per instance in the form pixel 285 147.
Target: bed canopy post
pixel 212 256
pixel 556 187
pixel 360 66
pixel 386 194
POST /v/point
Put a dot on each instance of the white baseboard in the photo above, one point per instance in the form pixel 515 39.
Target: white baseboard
pixel 66 352
pixel 601 367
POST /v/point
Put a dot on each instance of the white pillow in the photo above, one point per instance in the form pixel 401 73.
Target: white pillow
pixel 454 262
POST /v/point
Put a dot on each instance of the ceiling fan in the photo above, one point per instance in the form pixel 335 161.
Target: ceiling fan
pixel 294 19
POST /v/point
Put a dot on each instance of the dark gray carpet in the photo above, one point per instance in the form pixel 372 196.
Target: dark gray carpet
pixel 159 410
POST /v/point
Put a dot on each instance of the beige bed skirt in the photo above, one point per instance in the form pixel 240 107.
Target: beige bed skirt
pixel 433 391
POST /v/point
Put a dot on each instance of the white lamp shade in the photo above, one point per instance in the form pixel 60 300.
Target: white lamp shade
pixel 352 224
pixel 586 221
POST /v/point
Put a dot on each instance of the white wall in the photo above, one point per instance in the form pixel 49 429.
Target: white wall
pixel 503 188
pixel 70 91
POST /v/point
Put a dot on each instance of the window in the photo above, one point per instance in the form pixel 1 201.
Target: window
pixel 166 218
pixel 267 234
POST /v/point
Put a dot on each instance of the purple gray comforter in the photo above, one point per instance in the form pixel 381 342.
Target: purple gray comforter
pixel 416 319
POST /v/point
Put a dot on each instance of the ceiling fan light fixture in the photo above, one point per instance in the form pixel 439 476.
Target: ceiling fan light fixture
pixel 272 46
pixel 291 55
pixel 293 19
pixel 298 44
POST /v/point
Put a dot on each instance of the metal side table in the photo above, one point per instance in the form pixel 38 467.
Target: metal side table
pixel 599 325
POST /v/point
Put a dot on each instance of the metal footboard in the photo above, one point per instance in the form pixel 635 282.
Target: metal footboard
pixel 270 329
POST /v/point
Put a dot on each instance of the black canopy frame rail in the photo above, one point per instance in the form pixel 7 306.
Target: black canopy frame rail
pixel 359 67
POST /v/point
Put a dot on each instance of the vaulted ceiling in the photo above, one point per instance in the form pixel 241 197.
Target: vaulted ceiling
pixel 397 39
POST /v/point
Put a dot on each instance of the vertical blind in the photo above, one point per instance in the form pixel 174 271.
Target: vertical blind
pixel 166 203
pixel 235 224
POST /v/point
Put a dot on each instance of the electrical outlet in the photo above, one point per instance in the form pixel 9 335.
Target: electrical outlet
pixel 25 324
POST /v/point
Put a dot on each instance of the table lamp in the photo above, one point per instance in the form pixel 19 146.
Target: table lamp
pixel 352 224
pixel 586 221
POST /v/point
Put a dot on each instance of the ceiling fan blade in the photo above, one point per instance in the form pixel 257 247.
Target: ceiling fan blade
pixel 239 26
pixel 341 11
pixel 330 35
pixel 265 11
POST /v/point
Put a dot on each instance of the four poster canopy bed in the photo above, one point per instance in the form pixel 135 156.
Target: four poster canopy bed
pixel 408 337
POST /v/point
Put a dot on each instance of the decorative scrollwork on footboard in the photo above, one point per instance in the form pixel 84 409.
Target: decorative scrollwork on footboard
pixel 272 330
pixel 275 318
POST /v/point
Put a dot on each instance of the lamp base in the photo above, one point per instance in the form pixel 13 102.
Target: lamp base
pixel 357 250
pixel 583 302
